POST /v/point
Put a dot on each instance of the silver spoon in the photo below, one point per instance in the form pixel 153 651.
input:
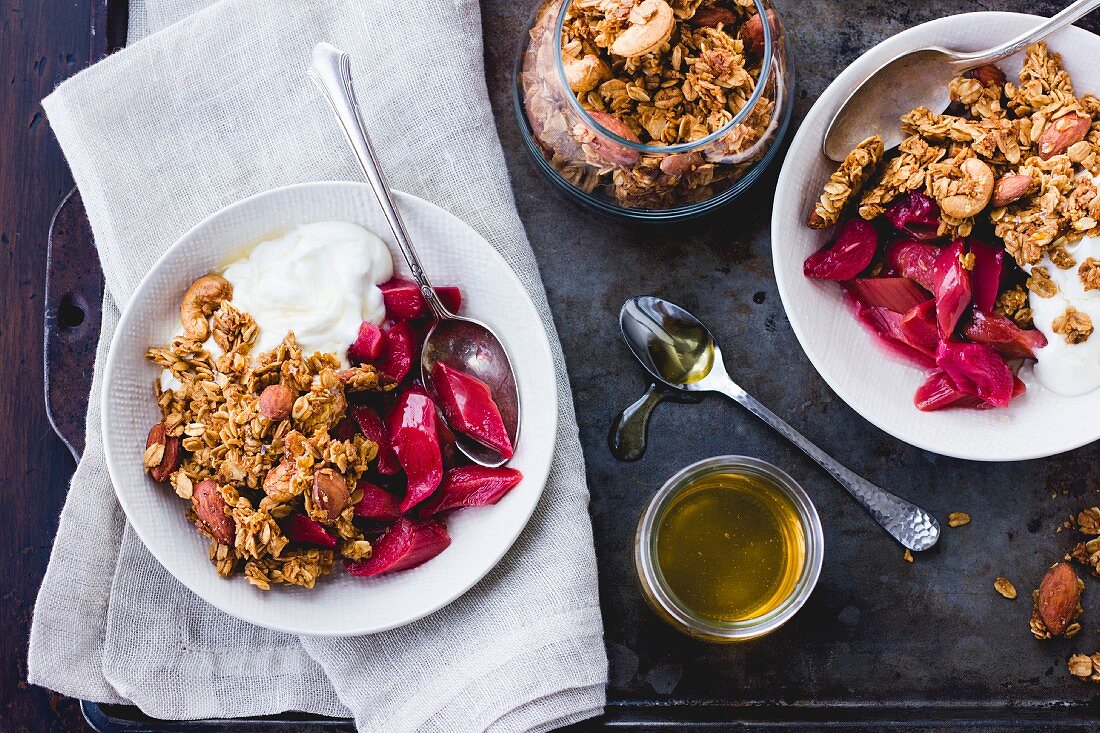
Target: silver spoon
pixel 918 78
pixel 676 348
pixel 463 343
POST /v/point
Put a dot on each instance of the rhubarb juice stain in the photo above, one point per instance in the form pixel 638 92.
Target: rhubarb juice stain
pixel 731 546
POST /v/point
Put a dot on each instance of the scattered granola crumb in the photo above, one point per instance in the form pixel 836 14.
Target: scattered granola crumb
pixel 908 556
pixel 957 519
pixel 1089 272
pixel 1041 283
pixel 1005 587
pixel 1088 521
pixel 1085 667
pixel 1075 325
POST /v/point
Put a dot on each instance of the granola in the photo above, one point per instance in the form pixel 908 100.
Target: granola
pixel 1085 667
pixel 847 182
pixel 654 73
pixel 258 433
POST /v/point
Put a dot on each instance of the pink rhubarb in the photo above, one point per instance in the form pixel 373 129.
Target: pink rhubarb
pixel 469 407
pixel 468 486
pixel 405 545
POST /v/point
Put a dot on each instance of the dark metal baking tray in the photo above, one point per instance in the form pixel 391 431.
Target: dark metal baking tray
pixel 882 644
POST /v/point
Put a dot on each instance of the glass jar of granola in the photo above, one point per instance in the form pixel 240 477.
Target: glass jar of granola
pixel 654 109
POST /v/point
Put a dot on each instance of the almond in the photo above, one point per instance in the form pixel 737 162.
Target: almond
pixel 988 75
pixel 210 508
pixel 1009 189
pixel 678 164
pixel 276 401
pixel 1061 133
pixel 609 151
pixel 712 17
pixel 330 493
pixel 277 480
pixel 752 36
pixel 1059 598
pixel 163 460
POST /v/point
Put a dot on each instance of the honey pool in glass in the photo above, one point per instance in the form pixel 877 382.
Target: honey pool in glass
pixel 729 549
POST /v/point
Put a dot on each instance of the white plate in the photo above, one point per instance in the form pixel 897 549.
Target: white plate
pixel 876 385
pixel 339 605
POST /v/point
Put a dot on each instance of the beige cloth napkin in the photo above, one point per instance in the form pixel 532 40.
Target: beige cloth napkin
pixel 200 114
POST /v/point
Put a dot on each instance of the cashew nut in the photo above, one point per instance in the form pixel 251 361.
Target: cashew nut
pixel 200 301
pixel 977 189
pixel 651 24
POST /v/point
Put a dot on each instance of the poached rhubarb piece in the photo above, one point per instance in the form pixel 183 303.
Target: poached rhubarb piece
pixel 468 405
pixel 368 344
pixel 886 324
pixel 405 302
pixel 978 370
pixel 301 529
pixel 939 391
pixel 400 351
pixel 374 430
pixel 916 215
pixel 377 503
pixel 898 294
pixel 414 435
pixel 1004 335
pixel 952 287
pixel 468 486
pixel 985 278
pixel 920 329
pixel 405 545
pixel 848 256
pixel 915 260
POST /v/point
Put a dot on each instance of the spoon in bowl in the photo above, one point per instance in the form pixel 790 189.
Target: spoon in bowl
pixel 676 348
pixel 459 342
pixel 920 78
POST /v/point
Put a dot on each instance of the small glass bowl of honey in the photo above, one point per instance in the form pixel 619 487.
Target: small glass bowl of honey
pixel 729 549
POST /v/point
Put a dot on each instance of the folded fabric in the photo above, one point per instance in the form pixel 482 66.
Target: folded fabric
pixel 202 113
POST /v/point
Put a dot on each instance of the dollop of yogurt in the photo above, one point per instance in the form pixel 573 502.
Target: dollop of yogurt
pixel 318 280
pixel 1068 369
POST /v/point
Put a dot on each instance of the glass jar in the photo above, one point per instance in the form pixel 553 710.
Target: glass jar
pixel 672 609
pixel 631 149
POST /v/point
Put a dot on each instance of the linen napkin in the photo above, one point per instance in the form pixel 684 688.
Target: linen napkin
pixel 202 113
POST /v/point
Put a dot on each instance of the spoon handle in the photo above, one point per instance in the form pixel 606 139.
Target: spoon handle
pixel 910 525
pixel 330 70
pixel 1073 12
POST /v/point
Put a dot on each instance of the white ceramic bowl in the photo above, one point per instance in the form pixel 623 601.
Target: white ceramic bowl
pixel 339 605
pixel 874 383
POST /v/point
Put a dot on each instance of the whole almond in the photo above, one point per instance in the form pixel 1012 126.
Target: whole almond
pixel 1009 189
pixel 1059 597
pixel 210 508
pixel 1061 133
pixel 330 493
pixel 277 480
pixel 711 17
pixel 988 75
pixel 608 150
pixel 752 36
pixel 678 164
pixel 276 401
pixel 169 459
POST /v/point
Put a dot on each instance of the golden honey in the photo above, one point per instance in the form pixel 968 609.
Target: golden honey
pixel 730 546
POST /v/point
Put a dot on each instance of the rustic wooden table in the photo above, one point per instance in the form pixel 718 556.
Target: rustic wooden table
pixel 871 632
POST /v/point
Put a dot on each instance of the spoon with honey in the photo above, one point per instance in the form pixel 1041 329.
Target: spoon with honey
pixel 677 349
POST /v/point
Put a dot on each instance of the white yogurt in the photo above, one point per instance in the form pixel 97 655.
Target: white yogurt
pixel 1068 369
pixel 318 280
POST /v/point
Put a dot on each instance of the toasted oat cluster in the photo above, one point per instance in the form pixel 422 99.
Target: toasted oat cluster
pixel 1022 155
pixel 255 444
pixel 656 73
